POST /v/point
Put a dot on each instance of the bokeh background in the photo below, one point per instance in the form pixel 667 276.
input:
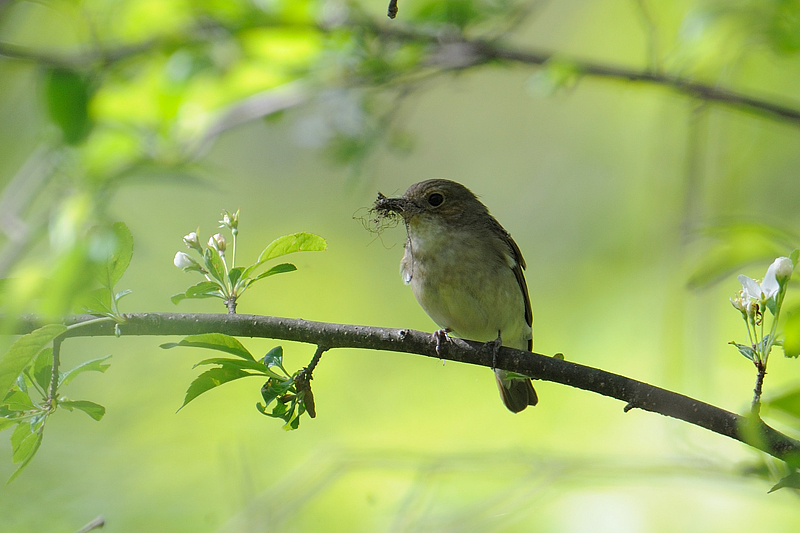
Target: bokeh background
pixel 634 205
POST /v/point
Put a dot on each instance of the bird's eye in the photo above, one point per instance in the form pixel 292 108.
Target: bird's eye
pixel 435 199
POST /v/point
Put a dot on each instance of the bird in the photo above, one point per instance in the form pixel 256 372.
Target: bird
pixel 466 272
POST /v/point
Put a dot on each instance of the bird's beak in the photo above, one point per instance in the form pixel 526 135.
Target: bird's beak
pixel 390 206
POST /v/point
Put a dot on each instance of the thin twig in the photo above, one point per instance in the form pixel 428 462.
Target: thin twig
pixel 636 394
pixel 97 523
pixel 315 360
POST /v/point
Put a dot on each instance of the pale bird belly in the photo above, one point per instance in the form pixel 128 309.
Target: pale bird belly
pixel 474 303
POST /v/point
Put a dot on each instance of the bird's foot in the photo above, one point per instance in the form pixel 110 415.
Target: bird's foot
pixel 440 337
pixel 494 346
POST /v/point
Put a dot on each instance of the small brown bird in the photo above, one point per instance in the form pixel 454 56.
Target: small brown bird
pixel 466 272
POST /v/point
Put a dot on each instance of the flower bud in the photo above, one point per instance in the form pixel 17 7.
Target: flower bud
pixel 230 220
pixel 783 269
pixel 193 241
pixel 217 242
pixel 739 302
pixel 182 260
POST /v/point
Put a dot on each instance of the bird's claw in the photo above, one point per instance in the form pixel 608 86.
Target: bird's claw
pixel 494 346
pixel 440 337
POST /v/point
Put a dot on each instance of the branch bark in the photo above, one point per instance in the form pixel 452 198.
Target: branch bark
pixel 749 430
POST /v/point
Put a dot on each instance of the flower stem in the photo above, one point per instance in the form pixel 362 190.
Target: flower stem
pixel 233 251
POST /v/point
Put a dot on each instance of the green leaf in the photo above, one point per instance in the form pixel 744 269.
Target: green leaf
pixel 458 12
pixel 275 388
pixel 788 402
pixel 121 294
pixel 210 379
pixel 235 275
pixel 96 411
pixel 43 368
pixel 118 256
pixel 277 269
pixel 772 305
pixel 67 94
pixel 794 256
pixel 18 401
pixel 204 289
pixel 791 481
pixel 214 265
pixel 745 350
pixel 734 245
pixel 258 366
pixel 274 357
pixel 791 335
pixel 14 361
pixel 97 302
pixel 92 365
pixel 6 423
pixel 177 298
pixel 213 341
pixel 25 443
pixel 296 242
pixel 555 75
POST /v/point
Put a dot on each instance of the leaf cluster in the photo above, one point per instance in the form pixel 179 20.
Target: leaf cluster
pixel 229 282
pixel 26 373
pixel 290 401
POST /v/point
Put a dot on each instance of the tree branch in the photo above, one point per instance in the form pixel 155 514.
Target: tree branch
pixel 752 431
pixel 453 52
pixel 475 52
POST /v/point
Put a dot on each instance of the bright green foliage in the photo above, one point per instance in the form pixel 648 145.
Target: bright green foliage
pixel 90 408
pixel 788 402
pixel 67 95
pixel 92 365
pixel 280 387
pixel 790 481
pixel 29 404
pixel 214 341
pixel 23 351
pixel 25 442
pixel 29 396
pixel 118 251
pixel 791 340
pixel 228 282
pixel 142 90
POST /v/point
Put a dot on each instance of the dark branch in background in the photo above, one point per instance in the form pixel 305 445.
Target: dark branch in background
pixel 452 52
pixel 475 52
pixel 636 394
pixel 691 88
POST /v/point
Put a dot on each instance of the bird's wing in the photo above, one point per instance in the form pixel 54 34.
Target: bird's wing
pixel 519 266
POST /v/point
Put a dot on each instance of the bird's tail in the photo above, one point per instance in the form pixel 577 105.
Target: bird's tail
pixel 517 394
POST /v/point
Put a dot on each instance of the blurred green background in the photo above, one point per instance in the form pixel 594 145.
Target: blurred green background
pixel 634 206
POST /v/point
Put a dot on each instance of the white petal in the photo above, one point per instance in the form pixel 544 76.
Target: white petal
pixel 770 285
pixel 750 287
pixel 182 260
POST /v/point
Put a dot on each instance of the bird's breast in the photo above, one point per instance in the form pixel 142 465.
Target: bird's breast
pixel 466 284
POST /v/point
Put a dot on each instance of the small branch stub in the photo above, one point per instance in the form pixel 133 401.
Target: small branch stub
pixel 392 11
pixel 303 382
